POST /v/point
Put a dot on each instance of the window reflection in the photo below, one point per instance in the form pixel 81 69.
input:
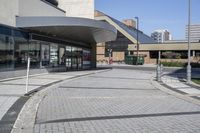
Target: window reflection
pixel 15 48
pixel 67 56
pixel 21 52
pixel 34 53
pixel 61 56
pixel 6 52
pixel 86 59
pixel 45 54
pixel 54 55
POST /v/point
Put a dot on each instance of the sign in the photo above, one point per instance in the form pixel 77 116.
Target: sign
pixel 132 47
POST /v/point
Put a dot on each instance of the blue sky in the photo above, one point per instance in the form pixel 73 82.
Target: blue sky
pixel 154 14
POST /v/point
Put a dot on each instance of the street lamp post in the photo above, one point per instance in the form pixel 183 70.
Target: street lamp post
pixel 110 56
pixel 137 39
pixel 189 66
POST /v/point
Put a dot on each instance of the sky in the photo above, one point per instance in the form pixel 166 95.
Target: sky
pixel 154 14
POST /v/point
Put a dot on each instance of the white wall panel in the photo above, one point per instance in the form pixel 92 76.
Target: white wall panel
pixel 38 8
pixel 8 11
pixel 78 8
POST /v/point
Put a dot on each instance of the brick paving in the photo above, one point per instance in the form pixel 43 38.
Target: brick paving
pixel 12 89
pixel 117 101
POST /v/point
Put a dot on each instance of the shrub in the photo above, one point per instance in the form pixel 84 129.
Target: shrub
pixel 173 64
pixel 180 64
pixel 171 55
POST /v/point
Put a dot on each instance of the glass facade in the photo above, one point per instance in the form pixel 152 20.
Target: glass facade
pixel 67 57
pixel 16 47
pixel 34 53
pixel 61 55
pixel 6 52
pixel 45 54
pixel 86 59
pixel 74 57
pixel 21 52
pixel 54 55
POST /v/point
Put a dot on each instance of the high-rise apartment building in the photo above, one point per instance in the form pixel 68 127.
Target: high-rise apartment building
pixel 161 35
pixel 194 32
pixel 78 8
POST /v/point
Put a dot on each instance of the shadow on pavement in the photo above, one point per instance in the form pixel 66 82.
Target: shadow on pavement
pixel 119 117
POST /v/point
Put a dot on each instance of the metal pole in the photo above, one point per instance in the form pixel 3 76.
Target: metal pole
pixel 27 74
pixel 159 57
pixel 110 53
pixel 109 57
pixel 137 39
pixel 189 66
pixel 159 67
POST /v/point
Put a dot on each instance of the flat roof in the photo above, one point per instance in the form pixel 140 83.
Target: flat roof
pixel 69 28
pixel 166 46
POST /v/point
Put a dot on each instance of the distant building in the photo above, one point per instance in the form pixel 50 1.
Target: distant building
pixel 161 36
pixel 194 32
pixel 129 22
pixel 126 37
pixel 126 45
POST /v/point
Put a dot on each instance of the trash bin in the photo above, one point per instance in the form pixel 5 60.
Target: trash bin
pixel 140 60
pixel 134 60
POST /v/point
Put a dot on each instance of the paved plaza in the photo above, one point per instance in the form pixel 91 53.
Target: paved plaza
pixel 11 90
pixel 115 101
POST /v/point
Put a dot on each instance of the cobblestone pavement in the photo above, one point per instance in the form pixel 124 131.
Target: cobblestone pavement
pixel 13 89
pixel 117 101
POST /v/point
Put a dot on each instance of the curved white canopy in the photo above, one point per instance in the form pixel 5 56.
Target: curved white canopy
pixel 69 28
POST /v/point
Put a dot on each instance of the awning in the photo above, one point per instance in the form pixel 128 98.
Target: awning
pixel 69 28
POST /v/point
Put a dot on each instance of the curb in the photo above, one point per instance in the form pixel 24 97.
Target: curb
pixel 174 93
pixel 194 85
pixel 21 77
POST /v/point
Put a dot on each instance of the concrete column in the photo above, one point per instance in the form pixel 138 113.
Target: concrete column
pixel 193 53
pixel 93 56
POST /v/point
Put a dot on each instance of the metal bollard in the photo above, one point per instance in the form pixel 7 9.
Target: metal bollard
pixel 27 74
pixel 158 74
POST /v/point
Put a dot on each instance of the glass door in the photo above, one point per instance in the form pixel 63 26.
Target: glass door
pixel 74 58
pixel 79 57
pixel 45 54
pixel 67 57
pixel 54 55
pixel 62 56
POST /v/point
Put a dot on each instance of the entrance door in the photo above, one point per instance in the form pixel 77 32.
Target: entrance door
pixel 62 56
pixel 74 63
pixel 45 54
pixel 79 62
pixel 68 63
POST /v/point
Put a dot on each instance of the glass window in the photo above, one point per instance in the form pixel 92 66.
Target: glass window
pixel 197 53
pixel 153 54
pixel 108 51
pixel 74 58
pixel 67 57
pixel 6 52
pixel 86 59
pixel 45 54
pixel 54 55
pixel 61 56
pixel 21 52
pixel 79 56
pixel 34 53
